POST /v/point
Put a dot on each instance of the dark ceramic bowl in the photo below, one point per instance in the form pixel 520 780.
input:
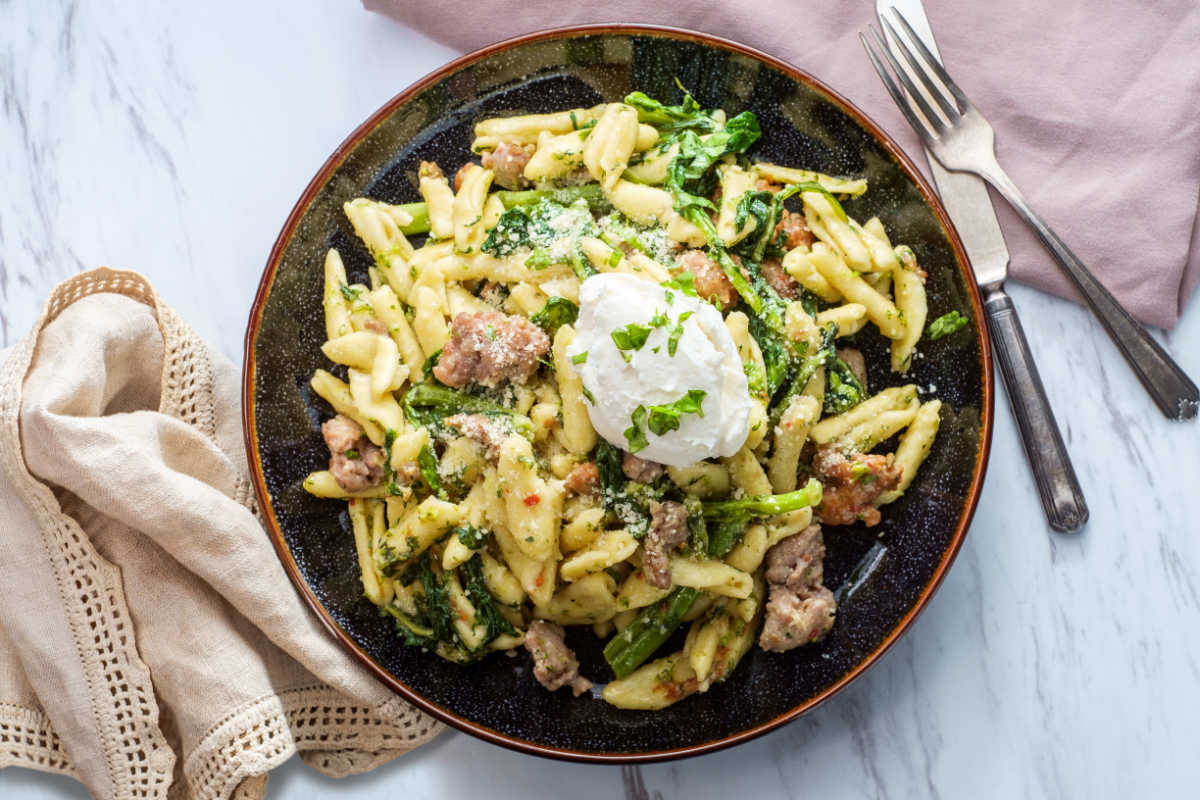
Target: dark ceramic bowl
pixel 804 124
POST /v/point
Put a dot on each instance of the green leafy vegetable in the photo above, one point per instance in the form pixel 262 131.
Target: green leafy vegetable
pixel 631 337
pixel 428 463
pixel 731 517
pixel 776 351
pixel 653 625
pixel 688 115
pixel 945 325
pixel 428 403
pixel 665 418
pixel 557 312
pixel 537 227
pixel 389 475
pixel 487 614
pixel 471 537
pixel 435 605
pixel 634 433
pixel 843 389
pixel 677 332
pixel 620 497
pixel 684 282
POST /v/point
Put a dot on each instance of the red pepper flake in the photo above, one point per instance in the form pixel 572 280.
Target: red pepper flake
pixel 532 500
pixel 540 580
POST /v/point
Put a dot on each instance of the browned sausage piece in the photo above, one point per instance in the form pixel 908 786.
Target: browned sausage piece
pixel 795 230
pixel 779 280
pixel 356 464
pixel 711 282
pixel 799 609
pixel 668 530
pixel 554 665
pixel 584 478
pixel 641 470
pixel 487 347
pixel 508 162
pixel 851 485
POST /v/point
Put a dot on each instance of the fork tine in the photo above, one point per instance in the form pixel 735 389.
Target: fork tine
pixel 915 95
pixel 901 101
pixel 934 64
pixel 944 102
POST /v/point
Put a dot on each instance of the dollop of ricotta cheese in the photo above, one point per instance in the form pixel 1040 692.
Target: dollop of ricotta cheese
pixel 640 368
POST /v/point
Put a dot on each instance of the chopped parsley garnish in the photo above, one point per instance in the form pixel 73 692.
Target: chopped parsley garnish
pixel 634 433
pixel 588 395
pixel 945 325
pixel 665 418
pixel 351 453
pixel 350 294
pixel 631 337
pixel 579 358
pixel 684 282
pixel 676 333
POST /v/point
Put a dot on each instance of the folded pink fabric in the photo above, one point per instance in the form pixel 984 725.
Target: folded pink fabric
pixel 1094 106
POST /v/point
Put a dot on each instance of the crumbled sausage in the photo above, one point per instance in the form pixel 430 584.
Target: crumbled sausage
pixel 355 462
pixel 641 470
pixel 487 431
pixel 793 619
pixel 799 608
pixel 797 561
pixel 584 478
pixel 764 185
pixel 710 280
pixel 508 162
pixel 487 347
pixel 774 274
pixel 668 530
pixel 794 230
pixel 855 361
pixel 851 485
pixel 554 665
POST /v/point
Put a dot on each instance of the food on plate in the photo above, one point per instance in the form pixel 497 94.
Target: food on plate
pixel 618 393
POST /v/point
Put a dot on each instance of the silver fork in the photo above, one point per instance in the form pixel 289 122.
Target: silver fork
pixel 963 141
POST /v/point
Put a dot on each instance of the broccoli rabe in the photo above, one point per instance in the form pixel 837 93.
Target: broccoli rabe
pixel 557 312
pixel 428 403
pixel 653 625
pixel 728 519
pixel 487 613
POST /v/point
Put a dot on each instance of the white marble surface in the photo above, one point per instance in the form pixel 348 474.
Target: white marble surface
pixel 174 142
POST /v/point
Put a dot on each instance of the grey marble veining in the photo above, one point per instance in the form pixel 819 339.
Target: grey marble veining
pixel 173 139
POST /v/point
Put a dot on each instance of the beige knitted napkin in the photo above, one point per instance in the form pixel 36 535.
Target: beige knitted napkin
pixel 150 642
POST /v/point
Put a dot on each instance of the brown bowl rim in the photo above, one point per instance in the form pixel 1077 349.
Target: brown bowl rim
pixel 482 731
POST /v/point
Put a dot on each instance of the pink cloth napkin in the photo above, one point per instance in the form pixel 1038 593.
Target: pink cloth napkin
pixel 1094 106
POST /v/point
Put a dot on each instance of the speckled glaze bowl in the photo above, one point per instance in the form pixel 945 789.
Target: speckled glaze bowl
pixel 805 124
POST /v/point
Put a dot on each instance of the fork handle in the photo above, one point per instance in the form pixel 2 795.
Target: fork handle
pixel 1175 393
pixel 1057 485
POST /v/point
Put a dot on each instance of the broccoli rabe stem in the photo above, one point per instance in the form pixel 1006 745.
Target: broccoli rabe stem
pixel 428 399
pixel 626 651
pixel 766 505
pixel 593 193
pixel 728 520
